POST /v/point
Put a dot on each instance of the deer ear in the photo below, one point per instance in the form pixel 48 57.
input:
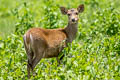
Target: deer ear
pixel 80 8
pixel 63 10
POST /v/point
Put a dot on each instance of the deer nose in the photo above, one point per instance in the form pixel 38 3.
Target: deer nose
pixel 73 20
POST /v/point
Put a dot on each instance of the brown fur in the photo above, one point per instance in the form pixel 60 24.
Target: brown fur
pixel 50 39
pixel 47 43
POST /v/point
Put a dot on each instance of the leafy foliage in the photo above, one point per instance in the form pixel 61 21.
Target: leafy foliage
pixel 25 19
pixel 93 55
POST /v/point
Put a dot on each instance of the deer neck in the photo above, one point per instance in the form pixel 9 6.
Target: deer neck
pixel 71 31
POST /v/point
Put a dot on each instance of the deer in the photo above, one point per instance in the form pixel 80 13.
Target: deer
pixel 48 43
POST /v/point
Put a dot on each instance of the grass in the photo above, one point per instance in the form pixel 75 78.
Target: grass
pixel 93 55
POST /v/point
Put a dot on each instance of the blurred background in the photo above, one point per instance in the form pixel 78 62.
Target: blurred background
pixel 93 55
pixel 37 9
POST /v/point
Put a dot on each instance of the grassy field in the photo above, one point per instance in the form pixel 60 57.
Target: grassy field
pixel 93 55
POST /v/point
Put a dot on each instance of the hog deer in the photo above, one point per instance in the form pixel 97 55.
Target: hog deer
pixel 47 43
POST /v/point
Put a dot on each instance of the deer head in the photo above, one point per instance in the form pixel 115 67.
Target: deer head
pixel 72 13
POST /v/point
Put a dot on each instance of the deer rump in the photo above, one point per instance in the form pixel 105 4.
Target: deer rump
pixel 46 42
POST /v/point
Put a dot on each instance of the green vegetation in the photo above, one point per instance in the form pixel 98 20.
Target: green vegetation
pixel 93 55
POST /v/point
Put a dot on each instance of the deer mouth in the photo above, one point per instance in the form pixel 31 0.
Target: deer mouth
pixel 73 22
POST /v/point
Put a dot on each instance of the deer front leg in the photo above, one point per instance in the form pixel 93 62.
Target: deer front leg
pixel 58 61
pixel 62 56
